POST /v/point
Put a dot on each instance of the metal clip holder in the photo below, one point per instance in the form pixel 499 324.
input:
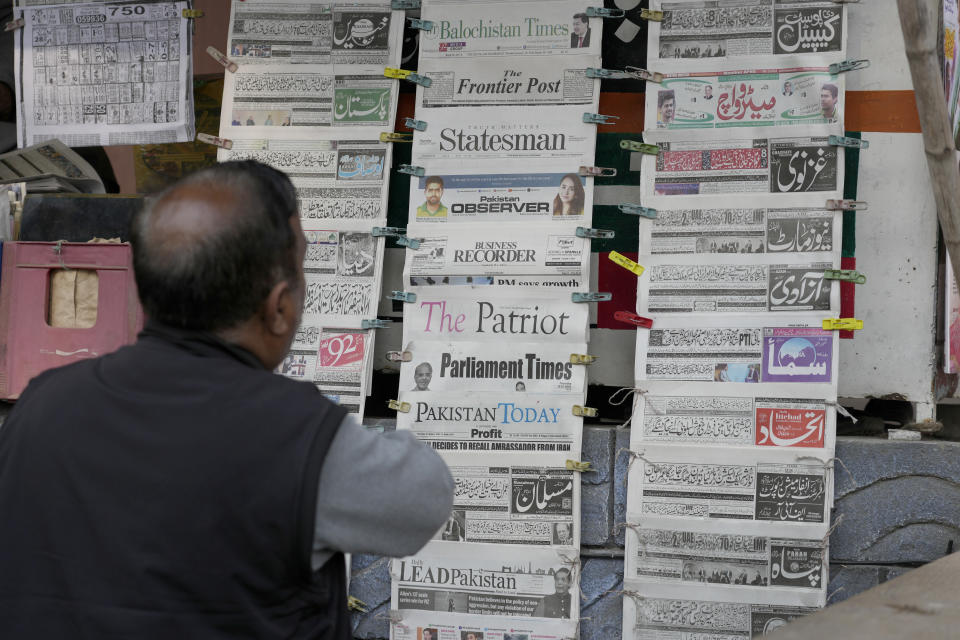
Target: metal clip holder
pixel 637 210
pixel 599 118
pixel 597 172
pixel 593 234
pixel 410 76
pixel 582 358
pixel 590 296
pixel 392 136
pixel 396 405
pixel 629 317
pixel 626 263
pixel 402 296
pixel 847 275
pixel 399 356
pixel 850 143
pixel 223 143
pixel 578 465
pixel 642 147
pixel 847 65
pixel 603 12
pixel 846 205
pixel 420 25
pixel 419 125
pixel 842 324
pixel 412 170
pixel 376 323
pixel 584 412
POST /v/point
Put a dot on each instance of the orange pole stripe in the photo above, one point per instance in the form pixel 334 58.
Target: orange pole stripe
pixel 884 111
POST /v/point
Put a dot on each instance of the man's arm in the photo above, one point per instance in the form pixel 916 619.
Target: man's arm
pixel 386 494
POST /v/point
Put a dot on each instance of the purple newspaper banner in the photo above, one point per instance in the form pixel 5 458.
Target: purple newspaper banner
pixel 802 354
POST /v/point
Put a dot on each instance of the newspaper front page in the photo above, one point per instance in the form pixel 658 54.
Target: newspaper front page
pixel 339 181
pixel 542 196
pixel 774 172
pixel 528 423
pixel 498 499
pixel 440 625
pixel 104 74
pixel 517 28
pixel 490 315
pixel 806 99
pixel 699 29
pixel 324 33
pixel 493 582
pixel 479 255
pixel 343 270
pixel 745 230
pixel 501 368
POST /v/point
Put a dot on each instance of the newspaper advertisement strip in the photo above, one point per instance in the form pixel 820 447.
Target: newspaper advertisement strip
pixel 288 102
pixel 334 359
pixel 339 33
pixel 508 82
pixel 695 29
pixel 510 137
pixel 509 28
pixel 460 314
pixel 776 172
pixel 336 179
pixel 695 414
pixel 648 618
pixel 437 625
pixel 504 367
pixel 104 74
pixel 752 352
pixel 530 423
pixel 526 581
pixel 806 99
pixel 342 270
pixel 481 197
pixel 723 231
pixel 744 286
pixel 783 487
pixel 498 501
pixel 531 257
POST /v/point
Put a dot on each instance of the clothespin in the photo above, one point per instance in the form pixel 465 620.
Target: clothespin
pixel 847 65
pixel 412 170
pixel 607 74
pixel 582 358
pixel 396 405
pixel 590 296
pixel 387 232
pixel 643 74
pixel 637 210
pixel 355 604
pixel 846 205
pixel 419 125
pixel 626 263
pixel 642 147
pixel 632 318
pixel 600 172
pixel 402 296
pixel 399 356
pixel 583 232
pixel 223 143
pixel 420 25
pixel 396 137
pixel 847 275
pixel 374 324
pixel 224 61
pixel 599 118
pixel 842 324
pixel 845 1
pixel 851 143
pixel 410 76
pixel 404 5
pixel 603 12
pixel 410 243
pixel 651 15
pixel 579 465
pixel 13 25
pixel 192 13
pixel 584 412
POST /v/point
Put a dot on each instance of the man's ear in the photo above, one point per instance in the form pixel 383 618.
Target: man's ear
pixel 280 309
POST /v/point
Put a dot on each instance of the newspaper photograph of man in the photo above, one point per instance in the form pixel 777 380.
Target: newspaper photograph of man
pixel 433 193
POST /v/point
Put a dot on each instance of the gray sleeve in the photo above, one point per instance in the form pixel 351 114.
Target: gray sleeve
pixel 385 494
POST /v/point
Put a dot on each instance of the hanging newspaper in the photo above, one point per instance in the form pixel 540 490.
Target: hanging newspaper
pixel 482 197
pixel 105 74
pixel 717 560
pixel 508 81
pixel 743 231
pixel 508 28
pixel 786 486
pixel 718 284
pixel 804 98
pixel 647 618
pixel 498 501
pixel 504 367
pixel 336 179
pixel 343 271
pixel 285 102
pixel 460 314
pixel 511 137
pixel 496 422
pixel 518 581
pixel 697 414
pixel 748 351
pixel 531 257
pixel 799 172
pixel 699 29
pixel 340 33
pixel 335 359
pixel 436 625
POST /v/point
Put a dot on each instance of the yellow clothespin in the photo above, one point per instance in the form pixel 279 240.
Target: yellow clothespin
pixel 396 405
pixel 584 412
pixel 582 358
pixel 577 465
pixel 842 324
pixel 396 137
pixel 626 263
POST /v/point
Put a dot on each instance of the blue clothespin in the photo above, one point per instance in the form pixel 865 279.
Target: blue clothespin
pixel 847 65
pixel 637 210
pixel 405 241
pixel 584 232
pixel 412 170
pixel 387 232
pixel 402 296
pixel 404 5
pixel 642 147
pixel 591 296
pixel 603 12
pixel 599 118
pixel 419 125
pixel 851 143
pixel 421 25
pixel 374 324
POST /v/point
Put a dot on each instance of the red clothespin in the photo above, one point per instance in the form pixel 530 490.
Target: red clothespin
pixel 634 319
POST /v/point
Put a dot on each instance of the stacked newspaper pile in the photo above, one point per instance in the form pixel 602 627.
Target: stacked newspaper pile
pixel 487 377
pixel 732 441
pixel 309 98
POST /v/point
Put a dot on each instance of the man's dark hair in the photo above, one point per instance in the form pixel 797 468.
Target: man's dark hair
pixel 563 570
pixel 433 180
pixel 832 88
pixel 582 17
pixel 216 281
pixel 663 96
